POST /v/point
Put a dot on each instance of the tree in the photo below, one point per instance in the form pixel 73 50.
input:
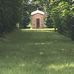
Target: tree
pixel 9 15
pixel 61 14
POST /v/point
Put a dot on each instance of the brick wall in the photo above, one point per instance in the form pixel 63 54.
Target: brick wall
pixel 34 20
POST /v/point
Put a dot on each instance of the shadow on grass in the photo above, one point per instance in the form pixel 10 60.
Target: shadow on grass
pixel 36 53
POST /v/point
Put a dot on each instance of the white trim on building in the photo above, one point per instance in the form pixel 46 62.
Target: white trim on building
pixel 37 11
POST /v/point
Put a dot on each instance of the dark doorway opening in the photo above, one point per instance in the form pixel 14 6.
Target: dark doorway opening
pixel 38 23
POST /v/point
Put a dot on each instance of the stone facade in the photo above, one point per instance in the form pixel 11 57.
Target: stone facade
pixel 37 19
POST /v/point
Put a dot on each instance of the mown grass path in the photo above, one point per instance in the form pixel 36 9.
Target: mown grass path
pixel 36 52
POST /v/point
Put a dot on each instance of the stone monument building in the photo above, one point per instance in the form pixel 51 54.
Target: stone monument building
pixel 37 19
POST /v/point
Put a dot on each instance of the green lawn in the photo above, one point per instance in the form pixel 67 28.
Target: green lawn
pixel 36 52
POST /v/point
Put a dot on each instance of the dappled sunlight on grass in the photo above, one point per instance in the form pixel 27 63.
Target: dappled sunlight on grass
pixel 38 30
pixel 36 52
pixel 43 43
pixel 61 66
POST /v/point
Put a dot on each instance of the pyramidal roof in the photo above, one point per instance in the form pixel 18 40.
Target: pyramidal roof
pixel 37 11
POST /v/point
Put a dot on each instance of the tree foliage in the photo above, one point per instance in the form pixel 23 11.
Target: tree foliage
pixel 28 7
pixel 9 15
pixel 62 13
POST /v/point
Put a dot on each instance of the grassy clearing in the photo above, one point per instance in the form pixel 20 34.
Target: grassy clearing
pixel 39 30
pixel 28 52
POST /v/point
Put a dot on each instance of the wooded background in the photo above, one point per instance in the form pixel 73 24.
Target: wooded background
pixel 60 14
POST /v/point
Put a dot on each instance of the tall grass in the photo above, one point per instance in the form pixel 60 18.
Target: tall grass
pixel 35 52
